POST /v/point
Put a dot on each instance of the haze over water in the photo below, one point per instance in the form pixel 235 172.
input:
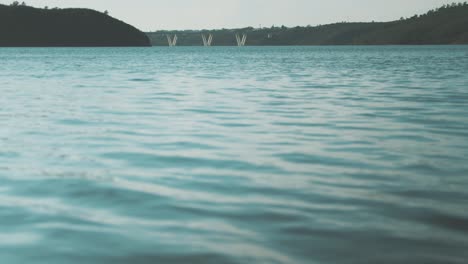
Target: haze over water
pixel 234 155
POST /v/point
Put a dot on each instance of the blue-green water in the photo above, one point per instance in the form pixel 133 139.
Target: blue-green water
pixel 234 155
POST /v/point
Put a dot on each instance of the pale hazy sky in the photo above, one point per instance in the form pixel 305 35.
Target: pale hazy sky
pixel 208 14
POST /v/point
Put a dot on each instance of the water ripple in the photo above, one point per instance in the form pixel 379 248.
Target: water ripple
pixel 228 155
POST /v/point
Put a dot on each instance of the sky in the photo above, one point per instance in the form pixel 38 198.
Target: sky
pixel 151 15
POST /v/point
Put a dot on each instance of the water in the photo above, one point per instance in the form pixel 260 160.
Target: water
pixel 234 155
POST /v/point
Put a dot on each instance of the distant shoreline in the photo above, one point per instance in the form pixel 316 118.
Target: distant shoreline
pixel 447 25
pixel 25 26
pixel 251 46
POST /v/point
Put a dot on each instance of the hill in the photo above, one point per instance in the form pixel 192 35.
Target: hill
pixel 445 25
pixel 26 26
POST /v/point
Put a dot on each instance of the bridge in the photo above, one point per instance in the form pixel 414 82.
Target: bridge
pixel 207 39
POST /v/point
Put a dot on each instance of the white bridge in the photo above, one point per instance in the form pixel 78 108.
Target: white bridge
pixel 207 39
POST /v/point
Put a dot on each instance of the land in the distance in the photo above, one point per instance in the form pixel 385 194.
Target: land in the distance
pixel 25 26
pixel 445 25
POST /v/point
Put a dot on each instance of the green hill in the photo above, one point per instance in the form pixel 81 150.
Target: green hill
pixel 33 27
pixel 445 25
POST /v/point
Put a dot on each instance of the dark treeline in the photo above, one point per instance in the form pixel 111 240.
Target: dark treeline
pixel 445 25
pixel 22 25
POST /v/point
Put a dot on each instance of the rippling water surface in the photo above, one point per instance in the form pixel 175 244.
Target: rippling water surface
pixel 234 155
